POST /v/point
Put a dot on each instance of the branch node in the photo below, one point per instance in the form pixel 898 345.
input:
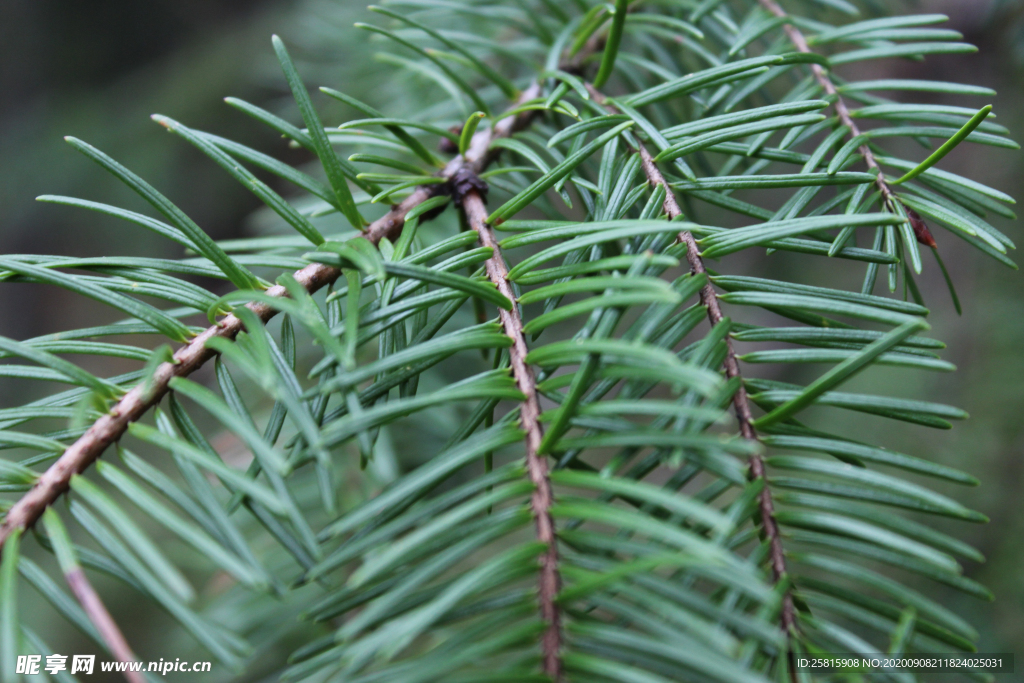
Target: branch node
pixel 465 181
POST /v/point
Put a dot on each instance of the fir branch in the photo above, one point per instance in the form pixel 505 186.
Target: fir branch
pixel 842 111
pixel 189 358
pixel 529 417
pixel 132 406
pixel 731 366
pixel 418 542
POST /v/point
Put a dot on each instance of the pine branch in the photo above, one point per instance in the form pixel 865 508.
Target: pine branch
pixel 741 404
pixel 529 417
pixel 189 358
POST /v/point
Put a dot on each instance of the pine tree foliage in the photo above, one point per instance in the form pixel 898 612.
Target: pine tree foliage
pixel 476 412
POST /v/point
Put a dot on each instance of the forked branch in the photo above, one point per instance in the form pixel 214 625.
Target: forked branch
pixel 189 358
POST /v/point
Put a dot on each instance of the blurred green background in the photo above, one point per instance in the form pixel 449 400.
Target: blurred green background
pixel 98 69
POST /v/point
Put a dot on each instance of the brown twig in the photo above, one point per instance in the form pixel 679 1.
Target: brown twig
pixel 740 401
pixel 101 619
pixel 529 418
pixel 189 358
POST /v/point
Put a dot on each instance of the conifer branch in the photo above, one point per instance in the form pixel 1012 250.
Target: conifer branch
pixel 921 230
pixel 529 418
pixel 422 566
pixel 731 366
pixel 189 358
pixel 842 111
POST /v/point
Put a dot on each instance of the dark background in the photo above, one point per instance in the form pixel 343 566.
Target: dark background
pixel 98 69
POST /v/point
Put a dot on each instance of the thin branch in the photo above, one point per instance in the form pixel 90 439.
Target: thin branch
pixel 477 157
pixel 104 623
pixel 529 418
pixel 798 40
pixel 740 401
pixel 189 358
